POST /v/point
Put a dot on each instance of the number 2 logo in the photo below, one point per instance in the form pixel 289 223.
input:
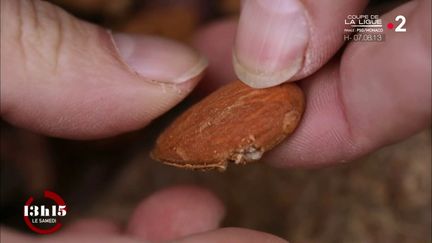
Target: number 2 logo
pixel 400 27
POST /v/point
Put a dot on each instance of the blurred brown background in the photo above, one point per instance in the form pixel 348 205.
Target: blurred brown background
pixel 384 197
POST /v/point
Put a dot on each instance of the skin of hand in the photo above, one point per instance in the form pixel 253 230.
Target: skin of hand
pixel 96 84
pixel 368 96
pixel 180 214
pixel 63 77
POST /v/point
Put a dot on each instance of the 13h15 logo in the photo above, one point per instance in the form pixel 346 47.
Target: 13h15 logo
pixel 43 216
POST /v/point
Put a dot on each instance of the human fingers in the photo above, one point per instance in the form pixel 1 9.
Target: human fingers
pixel 386 86
pixel 218 52
pixel 379 94
pixel 385 89
pixel 168 214
pixel 68 78
pixel 92 226
pixel 286 40
pixel 176 212
pixel 12 236
pixel 237 235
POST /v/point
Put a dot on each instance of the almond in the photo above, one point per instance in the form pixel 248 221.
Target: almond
pixel 236 124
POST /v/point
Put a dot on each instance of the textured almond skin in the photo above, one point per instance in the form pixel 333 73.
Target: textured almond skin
pixel 236 124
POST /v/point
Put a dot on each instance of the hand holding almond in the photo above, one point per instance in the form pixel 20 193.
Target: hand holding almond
pixel 371 95
pixel 63 77
pixel 113 87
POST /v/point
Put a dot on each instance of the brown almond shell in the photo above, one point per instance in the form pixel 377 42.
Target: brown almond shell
pixel 236 123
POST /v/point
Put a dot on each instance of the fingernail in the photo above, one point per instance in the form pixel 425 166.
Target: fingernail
pixel 271 41
pixel 159 59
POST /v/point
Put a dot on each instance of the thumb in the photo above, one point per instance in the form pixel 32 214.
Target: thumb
pixel 68 78
pixel 280 40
